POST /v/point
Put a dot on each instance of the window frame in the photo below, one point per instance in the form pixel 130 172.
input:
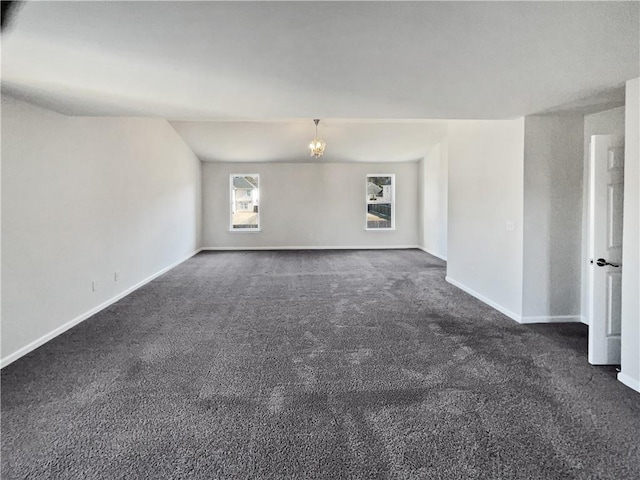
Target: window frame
pixel 392 202
pixel 231 203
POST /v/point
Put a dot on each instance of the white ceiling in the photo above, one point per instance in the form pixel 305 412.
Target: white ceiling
pixel 266 61
pixel 285 141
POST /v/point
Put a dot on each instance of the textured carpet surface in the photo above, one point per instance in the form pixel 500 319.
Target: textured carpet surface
pixel 308 364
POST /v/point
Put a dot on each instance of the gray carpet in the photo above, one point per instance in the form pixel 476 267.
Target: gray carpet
pixel 333 364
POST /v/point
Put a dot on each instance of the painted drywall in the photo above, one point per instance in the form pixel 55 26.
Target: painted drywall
pixel 309 205
pixel 609 122
pixel 630 348
pixel 82 199
pixel 421 203
pixel 485 211
pixel 433 200
pixel 553 170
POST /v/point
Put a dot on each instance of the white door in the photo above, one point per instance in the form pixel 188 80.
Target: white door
pixel 606 187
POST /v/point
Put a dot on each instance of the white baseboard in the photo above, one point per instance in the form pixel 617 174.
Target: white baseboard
pixel 315 247
pixel 553 319
pixel 629 382
pixel 80 318
pixel 482 298
pixel 426 250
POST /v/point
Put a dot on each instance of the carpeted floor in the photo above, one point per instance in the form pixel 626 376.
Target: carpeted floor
pixel 314 364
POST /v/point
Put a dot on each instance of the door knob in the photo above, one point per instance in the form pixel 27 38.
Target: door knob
pixel 601 262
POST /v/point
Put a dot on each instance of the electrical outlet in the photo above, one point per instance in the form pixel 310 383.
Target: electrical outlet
pixel 116 276
pixel 94 286
pixel 510 226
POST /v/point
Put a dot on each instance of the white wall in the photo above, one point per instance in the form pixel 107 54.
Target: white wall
pixel 553 169
pixel 433 200
pixel 630 348
pixel 83 198
pixel 421 202
pixel 485 193
pixel 309 205
pixel 609 122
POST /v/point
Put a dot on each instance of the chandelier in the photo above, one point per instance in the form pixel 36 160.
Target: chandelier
pixel 317 145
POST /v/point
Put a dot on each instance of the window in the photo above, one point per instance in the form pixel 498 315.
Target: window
pixel 381 202
pixel 245 197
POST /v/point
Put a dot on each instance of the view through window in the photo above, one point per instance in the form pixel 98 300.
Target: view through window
pixel 380 202
pixel 245 198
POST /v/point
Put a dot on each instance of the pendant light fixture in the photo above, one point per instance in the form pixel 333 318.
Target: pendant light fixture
pixel 317 145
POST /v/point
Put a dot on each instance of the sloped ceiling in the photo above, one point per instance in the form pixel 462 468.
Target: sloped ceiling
pixel 265 61
pixel 287 140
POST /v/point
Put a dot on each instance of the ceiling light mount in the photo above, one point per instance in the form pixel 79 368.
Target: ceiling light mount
pixel 317 144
